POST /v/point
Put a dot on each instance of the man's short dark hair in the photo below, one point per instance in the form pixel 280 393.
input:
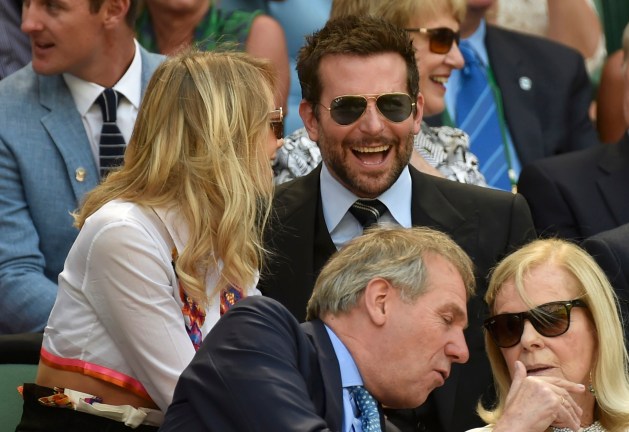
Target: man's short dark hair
pixel 358 36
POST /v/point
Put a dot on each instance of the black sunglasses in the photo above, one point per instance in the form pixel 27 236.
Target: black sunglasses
pixel 549 319
pixel 395 107
pixel 440 38
pixel 277 122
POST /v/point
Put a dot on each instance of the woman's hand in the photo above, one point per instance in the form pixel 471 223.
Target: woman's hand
pixel 536 402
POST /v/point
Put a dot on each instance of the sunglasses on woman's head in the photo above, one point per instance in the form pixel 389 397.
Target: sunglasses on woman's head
pixel 395 107
pixel 549 320
pixel 440 38
pixel 277 122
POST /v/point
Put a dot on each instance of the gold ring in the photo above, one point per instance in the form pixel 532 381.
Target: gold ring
pixel 563 399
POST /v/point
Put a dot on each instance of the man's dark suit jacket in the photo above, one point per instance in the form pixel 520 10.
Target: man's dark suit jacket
pixel 579 194
pixel 551 117
pixel 610 249
pixel 260 370
pixel 486 223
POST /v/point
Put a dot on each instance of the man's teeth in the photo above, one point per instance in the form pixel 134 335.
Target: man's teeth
pixel 439 79
pixel 371 149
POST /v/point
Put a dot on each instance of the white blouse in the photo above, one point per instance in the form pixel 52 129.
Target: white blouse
pixel 118 313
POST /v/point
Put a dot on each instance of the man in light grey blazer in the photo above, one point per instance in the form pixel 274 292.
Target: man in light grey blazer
pixel 49 132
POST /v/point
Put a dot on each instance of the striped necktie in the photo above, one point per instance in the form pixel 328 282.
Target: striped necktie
pixel 111 145
pixel 366 404
pixel 476 114
pixel 367 211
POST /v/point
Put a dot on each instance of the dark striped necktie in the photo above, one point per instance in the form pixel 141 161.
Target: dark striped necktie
pixel 367 211
pixel 111 145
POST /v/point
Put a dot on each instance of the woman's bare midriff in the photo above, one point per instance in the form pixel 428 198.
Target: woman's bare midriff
pixel 111 394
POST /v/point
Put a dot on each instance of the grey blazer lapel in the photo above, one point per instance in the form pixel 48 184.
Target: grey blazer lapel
pixel 65 127
pixel 150 62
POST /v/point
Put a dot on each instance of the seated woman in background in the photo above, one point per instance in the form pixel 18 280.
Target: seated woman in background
pixel 434 29
pixel 166 245
pixel 555 343
pixel 167 26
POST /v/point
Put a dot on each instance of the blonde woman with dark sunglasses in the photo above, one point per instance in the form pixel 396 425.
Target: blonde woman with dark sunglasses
pixel 555 344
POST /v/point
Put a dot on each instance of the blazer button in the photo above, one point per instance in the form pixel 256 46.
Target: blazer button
pixel 79 174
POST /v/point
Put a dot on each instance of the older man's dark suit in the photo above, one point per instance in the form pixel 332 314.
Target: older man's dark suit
pixel 485 223
pixel 579 194
pixel 260 370
pixel 611 251
pixel 550 117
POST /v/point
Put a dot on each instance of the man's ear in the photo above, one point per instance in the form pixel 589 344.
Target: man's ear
pixel 419 113
pixel 309 117
pixel 115 11
pixel 376 298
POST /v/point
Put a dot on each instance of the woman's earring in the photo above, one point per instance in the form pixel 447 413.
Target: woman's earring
pixel 590 386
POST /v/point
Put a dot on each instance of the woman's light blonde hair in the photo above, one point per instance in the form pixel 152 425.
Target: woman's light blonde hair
pixel 609 374
pixel 399 12
pixel 199 144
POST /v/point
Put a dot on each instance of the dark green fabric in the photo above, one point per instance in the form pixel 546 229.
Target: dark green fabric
pixel 218 27
pixel 615 18
pixel 12 376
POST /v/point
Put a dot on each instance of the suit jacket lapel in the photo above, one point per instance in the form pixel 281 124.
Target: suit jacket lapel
pixel 518 104
pixel 613 186
pixel 432 209
pixel 330 374
pixel 67 132
pixel 429 207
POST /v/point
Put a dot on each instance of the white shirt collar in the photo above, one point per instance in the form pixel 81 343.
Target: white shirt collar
pixel 85 93
pixel 336 199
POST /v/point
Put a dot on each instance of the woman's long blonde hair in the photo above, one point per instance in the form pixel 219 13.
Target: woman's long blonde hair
pixel 199 144
pixel 610 373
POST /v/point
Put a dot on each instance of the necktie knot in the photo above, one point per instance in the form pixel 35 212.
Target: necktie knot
pixel 470 57
pixel 367 407
pixel 111 145
pixel 367 211
pixel 108 102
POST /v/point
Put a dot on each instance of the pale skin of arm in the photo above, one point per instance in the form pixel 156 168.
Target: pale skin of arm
pixel 266 40
pixel 536 402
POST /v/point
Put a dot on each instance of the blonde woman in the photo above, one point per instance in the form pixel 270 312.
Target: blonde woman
pixel 166 245
pixel 555 343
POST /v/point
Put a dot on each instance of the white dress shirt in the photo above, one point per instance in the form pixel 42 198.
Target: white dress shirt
pixel 85 94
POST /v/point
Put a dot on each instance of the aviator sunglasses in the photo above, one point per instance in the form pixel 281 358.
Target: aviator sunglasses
pixel 277 122
pixel 549 320
pixel 395 107
pixel 440 38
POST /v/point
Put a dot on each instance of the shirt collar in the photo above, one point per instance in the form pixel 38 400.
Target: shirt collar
pixel 350 376
pixel 85 93
pixel 477 41
pixel 336 199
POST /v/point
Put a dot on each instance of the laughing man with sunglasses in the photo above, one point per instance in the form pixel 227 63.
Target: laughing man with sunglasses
pixel 362 105
pixel 555 343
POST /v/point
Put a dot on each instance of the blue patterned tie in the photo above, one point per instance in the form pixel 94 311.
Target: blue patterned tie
pixel 112 145
pixel 477 115
pixel 369 415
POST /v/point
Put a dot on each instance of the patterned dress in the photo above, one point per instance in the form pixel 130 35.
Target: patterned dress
pixel 444 148
pixel 218 27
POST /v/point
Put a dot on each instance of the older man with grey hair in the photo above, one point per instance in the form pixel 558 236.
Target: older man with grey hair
pixel 385 324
